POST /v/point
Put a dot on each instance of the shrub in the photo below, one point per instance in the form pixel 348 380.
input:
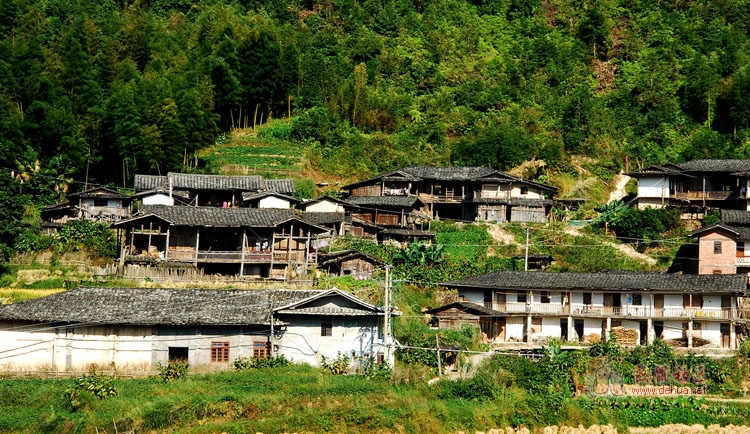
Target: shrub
pixel 95 385
pixel 337 366
pixel 173 371
pixel 245 363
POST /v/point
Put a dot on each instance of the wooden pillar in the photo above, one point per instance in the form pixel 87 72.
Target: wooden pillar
pixel 150 230
pixel 166 246
pixel 273 249
pixel 242 258
pixel 197 243
pixel 732 336
pixel 690 333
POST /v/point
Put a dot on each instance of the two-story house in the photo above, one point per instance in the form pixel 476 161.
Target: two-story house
pixel 208 190
pixel 460 193
pixel 100 204
pixel 513 306
pixel 246 242
pixel 724 247
pixel 695 185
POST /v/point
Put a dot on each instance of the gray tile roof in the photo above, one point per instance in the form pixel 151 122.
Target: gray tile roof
pixel 395 201
pixel 284 186
pixel 408 232
pixel 716 166
pixel 250 195
pixel 154 306
pixel 100 193
pixel 318 218
pixel 215 182
pixel 149 182
pixel 614 280
pixel 465 306
pixel 161 306
pixel 326 258
pixel 711 228
pixel 214 216
pixel 448 173
pixel 320 304
pixel 735 217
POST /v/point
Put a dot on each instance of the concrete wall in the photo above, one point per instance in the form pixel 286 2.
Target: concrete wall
pixel 514 328
pixel 653 187
pixel 325 206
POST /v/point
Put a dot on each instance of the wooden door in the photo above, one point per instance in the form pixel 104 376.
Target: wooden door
pixel 499 302
pixel 658 305
pixel 608 303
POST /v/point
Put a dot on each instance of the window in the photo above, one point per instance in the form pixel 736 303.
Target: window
pixel 524 190
pixel 178 354
pixel 586 298
pixel 521 297
pixel 326 327
pixel 717 247
pixel 100 202
pixel 220 352
pixel 637 299
pixel 261 350
pixel 545 296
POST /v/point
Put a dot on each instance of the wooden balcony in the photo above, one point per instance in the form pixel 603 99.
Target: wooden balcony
pixel 229 257
pixel 599 311
pixel 708 195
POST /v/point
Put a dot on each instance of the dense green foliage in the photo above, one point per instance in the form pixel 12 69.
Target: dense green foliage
pixel 95 238
pixel 105 90
pixel 300 398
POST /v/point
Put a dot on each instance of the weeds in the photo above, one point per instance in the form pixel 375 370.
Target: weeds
pixel 173 371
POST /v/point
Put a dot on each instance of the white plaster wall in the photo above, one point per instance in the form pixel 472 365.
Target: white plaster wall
pixel 711 331
pixel 654 187
pixel 711 302
pixel 592 326
pixel 673 301
pixel 551 327
pixel 514 328
pixel 114 203
pixel 158 199
pixel 477 295
pixel 672 330
pixel 274 202
pixel 533 193
pixel 302 342
pixel 325 206
pixel 39 347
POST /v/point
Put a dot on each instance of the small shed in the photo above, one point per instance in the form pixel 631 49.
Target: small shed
pixel 349 263
pixel 456 315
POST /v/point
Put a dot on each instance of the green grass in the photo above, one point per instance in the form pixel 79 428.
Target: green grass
pixel 302 399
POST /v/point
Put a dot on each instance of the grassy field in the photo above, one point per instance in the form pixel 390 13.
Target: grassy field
pixel 303 399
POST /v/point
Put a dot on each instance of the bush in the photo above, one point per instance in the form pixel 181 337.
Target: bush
pixel 173 371
pixel 337 366
pixel 245 363
pixel 95 385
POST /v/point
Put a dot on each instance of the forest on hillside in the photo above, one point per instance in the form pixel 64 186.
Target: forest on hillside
pixel 104 90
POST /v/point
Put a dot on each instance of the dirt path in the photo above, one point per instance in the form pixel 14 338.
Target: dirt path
pixel 626 249
pixel 619 191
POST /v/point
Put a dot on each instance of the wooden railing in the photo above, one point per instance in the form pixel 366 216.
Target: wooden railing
pixel 709 195
pixel 578 309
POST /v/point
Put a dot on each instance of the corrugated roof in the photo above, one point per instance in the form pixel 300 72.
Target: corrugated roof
pixel 614 280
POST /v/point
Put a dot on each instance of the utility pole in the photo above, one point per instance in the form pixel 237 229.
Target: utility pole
pixel 388 354
pixel 526 262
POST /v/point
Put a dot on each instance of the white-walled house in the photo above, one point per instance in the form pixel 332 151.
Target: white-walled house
pixel 135 329
pixel 530 306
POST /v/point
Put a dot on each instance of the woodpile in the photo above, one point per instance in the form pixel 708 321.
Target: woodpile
pixel 626 337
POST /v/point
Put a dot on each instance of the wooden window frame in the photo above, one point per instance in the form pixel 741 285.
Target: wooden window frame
pixel 590 296
pixel 545 297
pixel 717 247
pixel 220 352
pixel 261 350
pixel 637 299
pixel 326 327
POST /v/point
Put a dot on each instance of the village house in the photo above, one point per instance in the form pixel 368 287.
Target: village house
pixel 724 247
pixel 695 186
pixel 99 204
pixel 136 329
pixel 459 193
pixel 208 190
pixel 349 263
pixel 528 307
pixel 246 242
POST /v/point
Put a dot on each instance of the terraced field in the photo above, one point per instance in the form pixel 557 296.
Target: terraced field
pixel 241 155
